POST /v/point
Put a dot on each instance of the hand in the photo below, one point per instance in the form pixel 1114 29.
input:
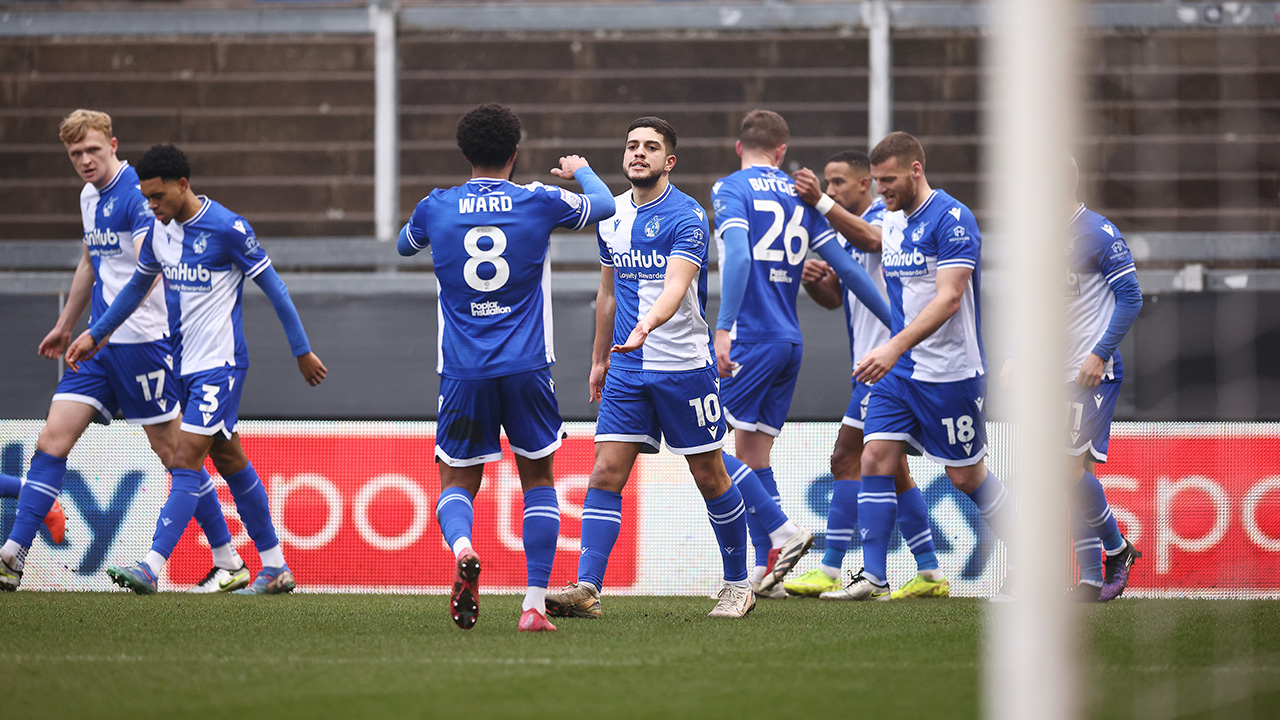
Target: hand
pixel 54 344
pixel 312 369
pixel 814 270
pixel 876 364
pixel 83 348
pixel 595 382
pixel 1006 373
pixel 635 339
pixel 723 345
pixel 1091 371
pixel 807 186
pixel 569 164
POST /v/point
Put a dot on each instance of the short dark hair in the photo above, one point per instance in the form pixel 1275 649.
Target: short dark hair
pixel 165 162
pixel 852 158
pixel 663 128
pixel 763 130
pixel 488 135
pixel 903 146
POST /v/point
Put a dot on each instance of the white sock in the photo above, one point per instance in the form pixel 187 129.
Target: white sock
pixel 272 557
pixel 757 574
pixel 741 584
pixel 831 572
pixel 1117 551
pixel 783 533
pixel 15 555
pixel 226 557
pixel 462 543
pixel 933 575
pixel 535 598
pixel 155 561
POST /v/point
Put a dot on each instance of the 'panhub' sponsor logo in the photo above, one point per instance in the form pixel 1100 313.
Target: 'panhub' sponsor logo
pixel 637 259
pixel 102 243
pixel 185 277
pixel 904 263
pixel 487 309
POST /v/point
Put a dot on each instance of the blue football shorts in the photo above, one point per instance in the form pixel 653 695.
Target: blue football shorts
pixel 856 415
pixel 211 400
pixel 758 396
pixel 474 412
pixel 945 421
pixel 133 379
pixel 1089 414
pixel 647 406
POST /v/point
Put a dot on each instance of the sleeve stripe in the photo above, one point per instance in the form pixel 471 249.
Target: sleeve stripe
pixel 412 240
pixel 141 232
pixel 957 262
pixel 1121 273
pixel 148 270
pixel 606 263
pixel 732 223
pixel 585 212
pixel 257 269
pixel 687 256
pixel 822 239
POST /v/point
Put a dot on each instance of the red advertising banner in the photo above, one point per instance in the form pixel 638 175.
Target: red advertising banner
pixel 1202 504
pixel 356 510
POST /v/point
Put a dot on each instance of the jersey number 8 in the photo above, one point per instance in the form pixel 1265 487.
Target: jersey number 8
pixel 479 256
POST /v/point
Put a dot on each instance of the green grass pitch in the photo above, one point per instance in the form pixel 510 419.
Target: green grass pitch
pixel 91 655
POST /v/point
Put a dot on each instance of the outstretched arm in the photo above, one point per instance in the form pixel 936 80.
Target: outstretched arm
pixel 951 284
pixel 127 300
pixel 855 278
pixel 675 286
pixel 277 292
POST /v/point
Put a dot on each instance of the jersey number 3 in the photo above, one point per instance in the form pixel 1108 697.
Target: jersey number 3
pixel 479 257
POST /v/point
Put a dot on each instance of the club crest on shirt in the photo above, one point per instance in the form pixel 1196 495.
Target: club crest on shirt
pixel 200 243
pixel 111 205
pixel 651 228
pixel 918 233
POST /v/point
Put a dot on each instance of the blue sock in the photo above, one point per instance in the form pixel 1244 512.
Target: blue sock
pixel 759 539
pixel 991 498
pixel 913 521
pixel 44 482
pixel 727 513
pixel 841 519
pixel 540 531
pixel 1088 549
pixel 769 484
pixel 1091 501
pixel 755 496
pixel 455 514
pixel 877 511
pixel 177 511
pixel 209 513
pixel 10 486
pixel 255 511
pixel 601 523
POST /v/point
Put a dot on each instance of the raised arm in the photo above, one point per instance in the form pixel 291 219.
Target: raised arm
pixel 863 235
pixel 277 292
pixel 600 203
